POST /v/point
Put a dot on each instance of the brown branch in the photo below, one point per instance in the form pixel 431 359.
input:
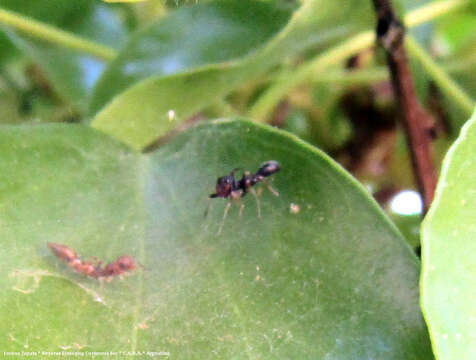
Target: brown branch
pixel 278 118
pixel 415 120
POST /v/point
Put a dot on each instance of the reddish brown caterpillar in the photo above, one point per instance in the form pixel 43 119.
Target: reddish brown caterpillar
pixel 122 265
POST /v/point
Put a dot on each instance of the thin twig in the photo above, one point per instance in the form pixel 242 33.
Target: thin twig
pixel 441 77
pixel 54 35
pixel 415 120
pixel 280 113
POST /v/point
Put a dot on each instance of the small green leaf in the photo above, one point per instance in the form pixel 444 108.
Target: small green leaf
pixel 322 274
pixel 71 74
pixel 448 281
pixel 252 37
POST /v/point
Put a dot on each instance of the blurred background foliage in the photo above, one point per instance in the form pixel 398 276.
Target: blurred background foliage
pixel 348 111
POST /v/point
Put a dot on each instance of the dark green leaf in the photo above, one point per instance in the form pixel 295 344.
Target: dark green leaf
pixel 72 74
pixel 189 38
pixel 139 114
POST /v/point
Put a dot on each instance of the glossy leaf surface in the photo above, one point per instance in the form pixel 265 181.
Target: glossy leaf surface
pixel 72 74
pixel 188 38
pixel 322 274
pixel 448 280
pixel 186 82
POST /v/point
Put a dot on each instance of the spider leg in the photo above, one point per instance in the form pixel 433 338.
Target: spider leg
pixel 225 213
pixel 234 171
pixel 258 206
pixel 207 209
pixel 275 193
pixel 242 206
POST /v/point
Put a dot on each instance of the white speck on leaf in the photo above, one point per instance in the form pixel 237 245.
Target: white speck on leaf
pixel 294 208
pixel 171 115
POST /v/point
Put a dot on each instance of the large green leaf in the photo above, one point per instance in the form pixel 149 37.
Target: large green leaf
pixel 330 279
pixel 216 62
pixel 189 38
pixel 72 74
pixel 448 281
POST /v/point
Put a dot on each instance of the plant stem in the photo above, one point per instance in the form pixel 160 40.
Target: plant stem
pixel 441 78
pixel 339 53
pixel 375 74
pixel 309 70
pixel 432 11
pixel 354 77
pixel 52 34
pixel 415 120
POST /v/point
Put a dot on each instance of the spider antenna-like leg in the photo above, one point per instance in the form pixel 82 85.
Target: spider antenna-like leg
pixel 207 209
pixel 212 196
pixel 225 213
pixel 234 171
pixel 242 206
pixel 270 188
pixel 258 206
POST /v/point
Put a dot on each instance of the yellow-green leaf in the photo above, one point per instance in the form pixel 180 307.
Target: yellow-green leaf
pixel 448 281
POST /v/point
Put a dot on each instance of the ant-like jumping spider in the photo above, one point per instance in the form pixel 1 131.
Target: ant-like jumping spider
pixel 229 187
